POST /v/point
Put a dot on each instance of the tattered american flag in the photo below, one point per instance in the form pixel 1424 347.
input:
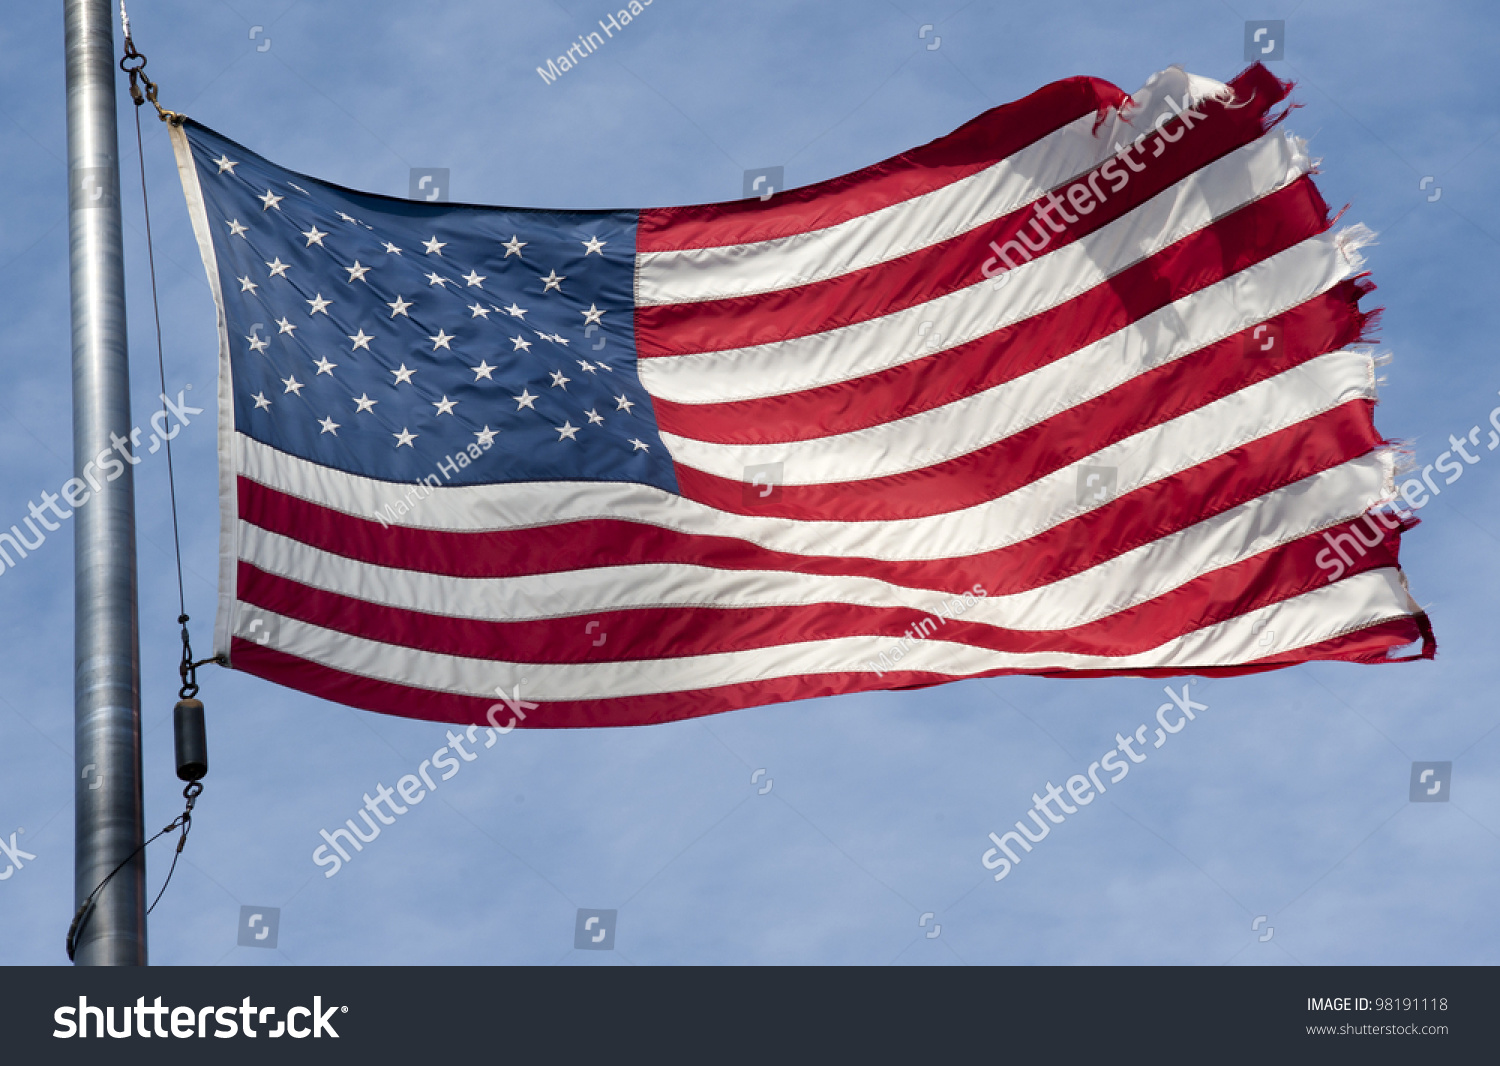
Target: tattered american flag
pixel 1070 391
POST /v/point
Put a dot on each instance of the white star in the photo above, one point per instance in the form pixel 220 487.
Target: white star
pixel 405 438
pixel 558 381
pixel 398 306
pixel 440 341
pixel 515 312
pixel 357 272
pixel 286 327
pixel 622 404
pixel 444 406
pixel 225 164
pixel 364 403
pixel 521 344
pixel 588 367
pixel 434 246
pixel 329 426
pixel 261 401
pixel 566 431
pixel 270 199
pixel 235 229
pixel 525 400
pixel 257 342
pixel 594 244
pixel 473 277
pixel 319 304
pixel 391 248
pixel 325 367
pixel 403 375
pixel 482 370
pixel 361 340
pixel 602 365
pixel 293 385
pixel 592 315
pixel 486 436
pixel 299 188
pixel 278 268
pixel 640 446
pixel 314 236
pixel 348 218
pixel 553 280
pixel 478 311
pixel 594 417
pixel 436 279
pixel 246 285
pixel 513 247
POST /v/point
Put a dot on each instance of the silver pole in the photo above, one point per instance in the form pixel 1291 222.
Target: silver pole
pixel 108 805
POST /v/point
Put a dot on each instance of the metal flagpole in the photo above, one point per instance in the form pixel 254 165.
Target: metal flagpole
pixel 108 805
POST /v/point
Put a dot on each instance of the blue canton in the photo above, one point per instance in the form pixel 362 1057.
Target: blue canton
pixel 388 338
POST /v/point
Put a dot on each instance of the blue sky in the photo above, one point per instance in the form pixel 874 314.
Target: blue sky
pixel 1286 798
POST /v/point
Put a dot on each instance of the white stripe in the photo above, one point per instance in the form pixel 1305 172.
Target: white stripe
pixel 963 427
pixel 695 274
pixel 1323 500
pixel 1332 610
pixel 1055 277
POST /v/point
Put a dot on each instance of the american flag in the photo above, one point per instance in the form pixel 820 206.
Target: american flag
pixel 1069 391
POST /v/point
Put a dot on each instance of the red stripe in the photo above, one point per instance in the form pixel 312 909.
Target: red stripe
pixel 923 275
pixel 653 633
pixel 1366 645
pixel 1136 518
pixel 1250 235
pixel 978 144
